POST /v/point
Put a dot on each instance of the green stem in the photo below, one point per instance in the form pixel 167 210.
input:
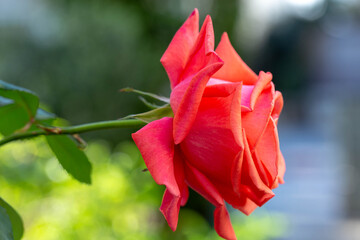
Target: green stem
pixel 73 129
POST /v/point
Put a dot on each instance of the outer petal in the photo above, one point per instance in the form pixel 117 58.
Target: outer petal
pixel 261 84
pixel 280 164
pixel 210 145
pixel 176 56
pixel 281 168
pixel 156 145
pixel 171 203
pixel 279 103
pixel 237 201
pixel 200 183
pixel 202 64
pixel 262 104
pixel 235 117
pixel 222 223
pixel 204 44
pixel 266 151
pixel 234 69
pixel 251 182
pixel 186 113
pixel 170 208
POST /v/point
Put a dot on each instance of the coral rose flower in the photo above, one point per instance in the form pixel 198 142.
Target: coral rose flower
pixel 222 141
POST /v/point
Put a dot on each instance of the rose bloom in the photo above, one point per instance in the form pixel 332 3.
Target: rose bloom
pixel 222 141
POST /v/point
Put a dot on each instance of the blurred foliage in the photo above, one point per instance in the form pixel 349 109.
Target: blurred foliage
pixel 122 202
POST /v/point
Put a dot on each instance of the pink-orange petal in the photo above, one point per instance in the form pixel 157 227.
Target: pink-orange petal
pixel 234 69
pixel 170 208
pixel 176 55
pixel 261 84
pixel 171 203
pixel 278 105
pixel 267 150
pixel 255 121
pixel 237 201
pixel 222 223
pixel 201 184
pixel 156 146
pixel 188 107
pixel 281 168
pixel 219 88
pixel 199 56
pixel 251 182
pixel 235 117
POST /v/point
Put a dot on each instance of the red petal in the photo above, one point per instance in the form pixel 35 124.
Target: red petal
pixel 246 91
pixel 210 145
pixel 280 165
pixel 170 208
pixel 251 182
pixel 204 44
pixel 186 112
pixel 176 55
pixel 219 88
pixel 156 145
pixel 234 69
pixel 236 200
pixel 202 64
pixel 222 223
pixel 261 102
pixel 279 103
pixel 171 203
pixel 281 168
pixel 261 84
pixel 201 184
pixel 267 150
pixel 235 117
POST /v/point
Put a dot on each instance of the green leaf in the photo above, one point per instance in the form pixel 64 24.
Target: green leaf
pixel 12 118
pixel 5 226
pixel 146 94
pixel 164 111
pixel 24 97
pixel 15 219
pixel 73 160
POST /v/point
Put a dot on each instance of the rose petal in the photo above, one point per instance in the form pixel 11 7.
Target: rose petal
pixel 261 84
pixel 222 223
pixel 234 69
pixel 187 109
pixel 236 200
pixel 210 145
pixel 156 145
pixel 254 122
pixel 171 203
pixel 219 88
pixel 251 182
pixel 176 55
pixel 170 208
pixel 235 117
pixel 246 91
pixel 199 56
pixel 281 168
pixel 266 151
pixel 278 105
pixel 201 184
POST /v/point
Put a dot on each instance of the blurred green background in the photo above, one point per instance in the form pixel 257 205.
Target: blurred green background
pixel 76 55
